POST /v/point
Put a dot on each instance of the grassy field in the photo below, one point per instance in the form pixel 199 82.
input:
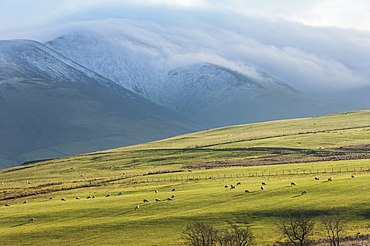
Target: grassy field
pixel 198 165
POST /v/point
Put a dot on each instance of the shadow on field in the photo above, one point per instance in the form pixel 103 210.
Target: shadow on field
pixel 296 196
pixel 19 225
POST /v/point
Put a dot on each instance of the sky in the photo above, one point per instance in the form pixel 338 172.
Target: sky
pixel 316 46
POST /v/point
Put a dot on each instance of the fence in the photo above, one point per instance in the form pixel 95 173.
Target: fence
pixel 181 176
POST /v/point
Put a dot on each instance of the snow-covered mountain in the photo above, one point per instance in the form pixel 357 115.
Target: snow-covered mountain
pixel 210 93
pixel 52 107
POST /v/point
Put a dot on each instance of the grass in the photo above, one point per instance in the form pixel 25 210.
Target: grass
pixel 137 171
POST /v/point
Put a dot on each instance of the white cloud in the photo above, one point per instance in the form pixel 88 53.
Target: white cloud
pixel 273 35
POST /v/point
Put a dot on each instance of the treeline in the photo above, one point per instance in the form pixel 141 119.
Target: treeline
pixel 295 227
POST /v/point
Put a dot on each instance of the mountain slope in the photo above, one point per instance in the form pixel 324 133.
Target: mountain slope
pixel 211 94
pixel 53 107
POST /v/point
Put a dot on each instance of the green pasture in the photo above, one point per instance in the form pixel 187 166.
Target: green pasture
pixel 114 221
pixel 200 196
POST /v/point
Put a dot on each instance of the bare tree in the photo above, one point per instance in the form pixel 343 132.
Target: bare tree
pixel 236 236
pixel 200 234
pixel 297 228
pixel 334 224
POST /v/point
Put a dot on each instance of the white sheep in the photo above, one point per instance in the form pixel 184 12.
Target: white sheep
pixel 156 191
pixel 25 202
pixel 317 178
pixel 63 199
pixel 137 207
pixel 263 183
pixel 232 186
pixel 77 197
pixel 262 188
pixel 330 179
pixel 293 183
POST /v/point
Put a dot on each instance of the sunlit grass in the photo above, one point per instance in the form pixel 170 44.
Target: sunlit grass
pixel 200 193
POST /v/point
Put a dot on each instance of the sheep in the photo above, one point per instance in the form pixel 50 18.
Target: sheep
pixel 262 188
pixel 145 200
pixel 317 178
pixel 226 186
pixel 31 220
pixel 248 191
pixel 169 199
pixel 28 182
pixel 173 196
pixel 173 189
pixel 137 207
pixel 25 202
pixel 263 183
pixel 120 194
pixel 50 198
pixel 304 192
pixel 157 200
pixel 352 176
pixel 239 183
pixel 232 186
pixel 63 199
pixel 7 205
pixel 330 179
pixel 293 183
pixel 107 195
pixel 155 191
pixel 2 183
pixel 77 197
pixel 93 197
pixel 88 197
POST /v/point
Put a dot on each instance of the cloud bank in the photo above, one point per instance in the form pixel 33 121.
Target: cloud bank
pixel 309 45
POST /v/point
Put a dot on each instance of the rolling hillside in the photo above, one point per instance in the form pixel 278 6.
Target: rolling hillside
pixel 198 166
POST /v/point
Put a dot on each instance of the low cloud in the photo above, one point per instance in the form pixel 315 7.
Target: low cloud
pixel 313 59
